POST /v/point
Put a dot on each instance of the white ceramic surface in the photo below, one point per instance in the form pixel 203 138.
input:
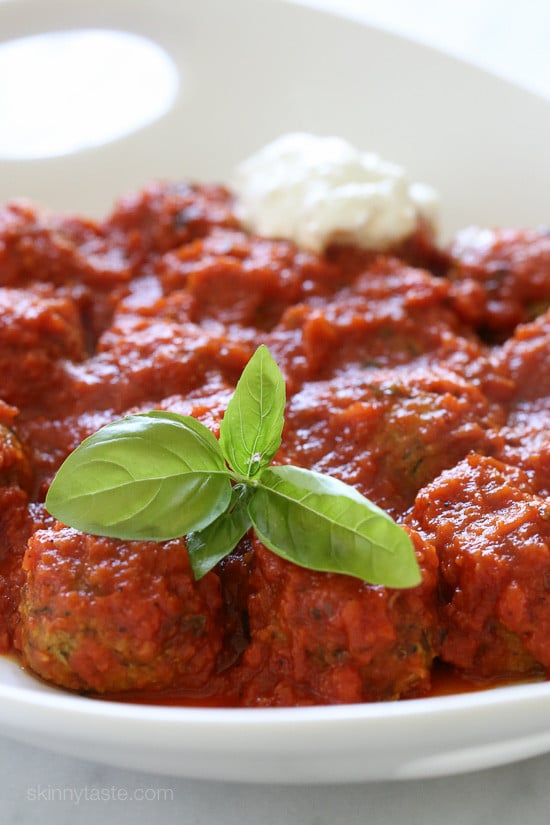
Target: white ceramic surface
pixel 351 743
pixel 249 71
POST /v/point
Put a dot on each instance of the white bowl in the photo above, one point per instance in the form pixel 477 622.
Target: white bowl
pixel 248 71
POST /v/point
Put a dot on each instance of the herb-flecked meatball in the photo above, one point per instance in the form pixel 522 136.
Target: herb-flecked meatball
pixel 500 277
pixel 104 615
pixel 526 435
pixel 323 638
pixel 388 432
pixel 39 329
pixel 492 536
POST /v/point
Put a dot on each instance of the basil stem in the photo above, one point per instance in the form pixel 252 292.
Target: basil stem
pixel 212 544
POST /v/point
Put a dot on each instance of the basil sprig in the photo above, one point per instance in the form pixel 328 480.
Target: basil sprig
pixel 160 475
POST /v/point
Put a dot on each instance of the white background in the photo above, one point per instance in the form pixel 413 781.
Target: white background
pixel 512 39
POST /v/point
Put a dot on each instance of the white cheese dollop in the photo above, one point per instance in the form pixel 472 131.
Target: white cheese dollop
pixel 317 190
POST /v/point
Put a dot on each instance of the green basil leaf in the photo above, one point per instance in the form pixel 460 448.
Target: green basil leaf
pixel 152 476
pixel 250 433
pixel 209 546
pixel 321 523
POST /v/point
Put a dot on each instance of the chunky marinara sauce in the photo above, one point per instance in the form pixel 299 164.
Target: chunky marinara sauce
pixel 420 375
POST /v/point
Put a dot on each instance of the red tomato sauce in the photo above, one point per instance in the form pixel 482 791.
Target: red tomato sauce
pixel 419 375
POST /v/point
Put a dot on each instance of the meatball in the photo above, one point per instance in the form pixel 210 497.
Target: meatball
pixel 164 216
pixel 525 436
pixel 70 253
pixel 236 278
pixel 492 536
pixel 389 432
pixel 140 362
pixel 103 615
pixel 323 638
pixel 501 277
pixel 38 329
pixel 524 360
pixel 39 246
pixel 525 443
pixel 391 315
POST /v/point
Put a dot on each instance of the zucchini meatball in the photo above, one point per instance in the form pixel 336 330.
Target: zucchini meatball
pixel 391 315
pixel 323 638
pixel 104 615
pixel 500 277
pixel 389 432
pixel 39 329
pixel 525 436
pixel 492 536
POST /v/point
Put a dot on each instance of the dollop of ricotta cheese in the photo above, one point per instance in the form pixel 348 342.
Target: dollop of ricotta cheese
pixel 318 190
